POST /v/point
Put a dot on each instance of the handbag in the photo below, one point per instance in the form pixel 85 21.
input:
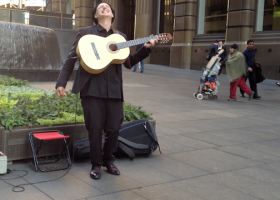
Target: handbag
pixel 259 76
pixel 208 57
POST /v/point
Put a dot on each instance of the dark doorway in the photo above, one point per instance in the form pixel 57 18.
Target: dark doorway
pixel 129 18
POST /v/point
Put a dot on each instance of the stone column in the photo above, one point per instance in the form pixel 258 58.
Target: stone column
pixel 240 22
pixel 184 31
pixel 83 10
pixel 143 20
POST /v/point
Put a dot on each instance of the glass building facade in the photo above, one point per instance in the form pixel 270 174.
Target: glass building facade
pixel 50 14
pixel 166 16
pixel 271 18
pixel 215 16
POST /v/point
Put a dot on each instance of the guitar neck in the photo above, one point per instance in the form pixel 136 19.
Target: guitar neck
pixel 135 42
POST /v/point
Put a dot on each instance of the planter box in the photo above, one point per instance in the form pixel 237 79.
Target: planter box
pixel 15 144
pixel 2 141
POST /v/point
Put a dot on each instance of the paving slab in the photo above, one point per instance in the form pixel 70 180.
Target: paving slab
pixel 210 190
pixel 213 161
pixel 250 154
pixel 187 141
pixel 144 174
pixel 60 189
pixel 118 196
pixel 172 167
pixel 240 181
pixel 165 192
pixel 271 147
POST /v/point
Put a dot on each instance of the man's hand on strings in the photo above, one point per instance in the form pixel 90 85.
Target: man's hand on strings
pixel 151 43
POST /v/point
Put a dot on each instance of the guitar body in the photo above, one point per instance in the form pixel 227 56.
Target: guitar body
pixel 95 55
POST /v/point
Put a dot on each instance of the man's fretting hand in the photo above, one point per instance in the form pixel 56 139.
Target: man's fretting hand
pixel 60 91
pixel 151 43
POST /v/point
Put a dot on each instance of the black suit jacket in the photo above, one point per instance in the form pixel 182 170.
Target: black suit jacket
pixel 213 50
pixel 82 76
pixel 224 54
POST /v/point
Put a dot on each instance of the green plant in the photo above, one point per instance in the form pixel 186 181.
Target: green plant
pixel 9 81
pixel 132 112
pixel 27 106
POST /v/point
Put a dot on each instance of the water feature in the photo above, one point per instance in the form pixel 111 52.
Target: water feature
pixel 28 47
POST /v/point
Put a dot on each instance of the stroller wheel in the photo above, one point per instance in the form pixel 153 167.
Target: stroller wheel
pixel 210 96
pixel 215 97
pixel 199 96
pixel 194 95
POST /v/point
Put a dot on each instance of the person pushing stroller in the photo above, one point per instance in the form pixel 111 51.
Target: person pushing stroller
pixel 208 79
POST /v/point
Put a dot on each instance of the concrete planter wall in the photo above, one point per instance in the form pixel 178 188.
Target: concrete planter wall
pixel 15 144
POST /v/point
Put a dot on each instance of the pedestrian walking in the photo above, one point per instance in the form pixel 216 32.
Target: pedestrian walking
pixel 236 70
pixel 249 54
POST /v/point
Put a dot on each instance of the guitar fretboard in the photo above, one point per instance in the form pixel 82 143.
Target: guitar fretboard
pixel 135 42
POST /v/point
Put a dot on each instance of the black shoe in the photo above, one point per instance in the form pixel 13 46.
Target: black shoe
pixel 251 95
pixel 95 172
pixel 256 97
pixel 112 169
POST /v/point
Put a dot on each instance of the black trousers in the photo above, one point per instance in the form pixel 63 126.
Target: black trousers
pixel 102 114
pixel 252 81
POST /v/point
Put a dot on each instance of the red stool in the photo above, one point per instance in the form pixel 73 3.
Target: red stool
pixel 45 136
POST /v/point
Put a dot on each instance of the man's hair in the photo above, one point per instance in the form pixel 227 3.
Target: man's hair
pixel 94 11
pixel 249 41
pixel 216 41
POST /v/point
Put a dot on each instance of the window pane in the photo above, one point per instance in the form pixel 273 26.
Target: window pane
pixel 18 17
pixel 215 16
pixel 67 23
pixel 4 15
pixel 166 16
pixel 271 18
pixel 37 20
pixel 53 22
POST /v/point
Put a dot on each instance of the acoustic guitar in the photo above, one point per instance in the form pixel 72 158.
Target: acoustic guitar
pixel 97 53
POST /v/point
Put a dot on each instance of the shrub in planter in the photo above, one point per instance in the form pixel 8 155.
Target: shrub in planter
pixel 26 106
pixel 8 81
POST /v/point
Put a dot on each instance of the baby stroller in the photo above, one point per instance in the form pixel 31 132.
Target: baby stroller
pixel 208 79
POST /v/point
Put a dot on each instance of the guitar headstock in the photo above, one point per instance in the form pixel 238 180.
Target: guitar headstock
pixel 164 37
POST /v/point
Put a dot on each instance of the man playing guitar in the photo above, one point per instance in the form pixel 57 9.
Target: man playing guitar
pixel 101 94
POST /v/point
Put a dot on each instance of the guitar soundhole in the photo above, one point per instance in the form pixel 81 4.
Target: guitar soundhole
pixel 113 47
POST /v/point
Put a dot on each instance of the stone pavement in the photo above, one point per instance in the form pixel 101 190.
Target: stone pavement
pixel 211 150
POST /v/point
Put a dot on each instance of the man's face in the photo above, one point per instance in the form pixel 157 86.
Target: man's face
pixel 250 45
pixel 220 43
pixel 103 10
pixel 231 50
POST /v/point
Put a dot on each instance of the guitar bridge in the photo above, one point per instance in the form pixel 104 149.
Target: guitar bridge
pixel 95 51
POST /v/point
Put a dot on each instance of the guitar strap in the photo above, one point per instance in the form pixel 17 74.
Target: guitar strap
pixel 128 65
